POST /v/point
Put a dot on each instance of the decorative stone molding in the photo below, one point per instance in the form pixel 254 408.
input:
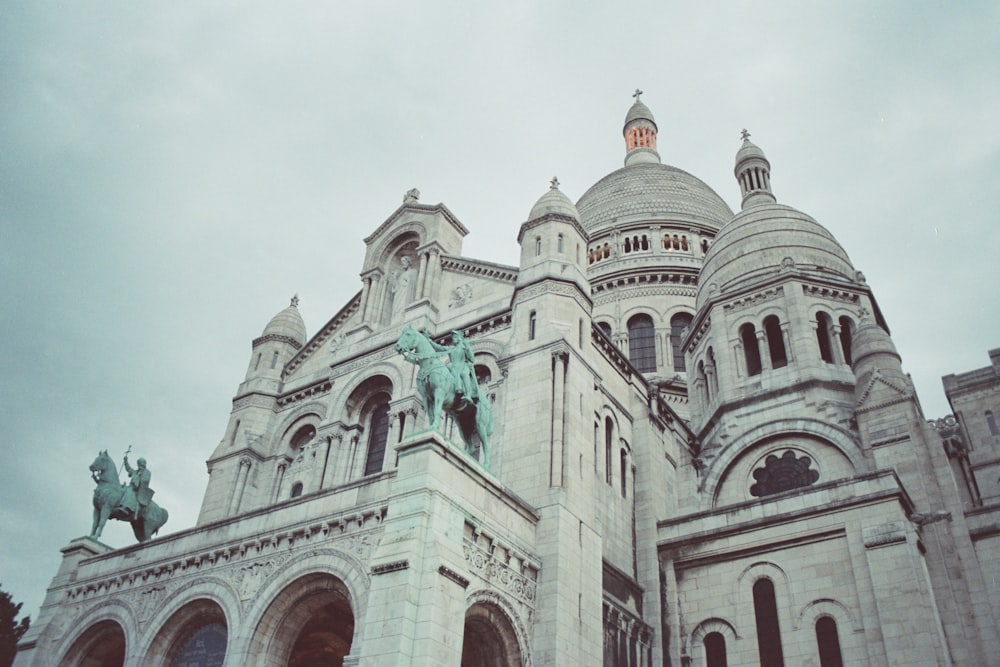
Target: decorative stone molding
pixel 841 296
pixel 613 354
pixel 278 338
pixel 394 566
pixel 255 400
pixel 490 569
pixel 551 286
pixel 884 534
pixel 355 533
pixel 754 299
pixel 454 576
pixel 320 387
pixel 507 274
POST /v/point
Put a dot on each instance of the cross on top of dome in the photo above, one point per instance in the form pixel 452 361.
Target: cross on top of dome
pixel 636 94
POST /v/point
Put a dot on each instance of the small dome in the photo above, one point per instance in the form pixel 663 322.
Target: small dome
pixel 637 111
pixel 763 240
pixel 749 150
pixel 553 201
pixel 650 191
pixel 288 323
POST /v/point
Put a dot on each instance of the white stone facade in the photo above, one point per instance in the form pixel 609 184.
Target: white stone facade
pixel 705 452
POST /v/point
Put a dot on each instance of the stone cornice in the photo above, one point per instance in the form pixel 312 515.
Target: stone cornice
pixel 318 387
pixel 550 217
pixel 277 541
pixel 276 337
pixel 418 208
pixel 471 267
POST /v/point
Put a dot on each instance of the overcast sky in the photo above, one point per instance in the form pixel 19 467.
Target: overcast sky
pixel 171 175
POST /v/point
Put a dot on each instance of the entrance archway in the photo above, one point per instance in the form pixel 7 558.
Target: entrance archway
pixel 310 622
pixel 101 645
pixel 196 634
pixel 489 639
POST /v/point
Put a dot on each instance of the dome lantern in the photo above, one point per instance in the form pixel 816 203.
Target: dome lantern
pixel 640 134
pixel 753 172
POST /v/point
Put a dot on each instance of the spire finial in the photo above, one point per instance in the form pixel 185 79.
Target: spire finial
pixel 554 183
pixel 745 135
pixel 295 300
pixel 636 94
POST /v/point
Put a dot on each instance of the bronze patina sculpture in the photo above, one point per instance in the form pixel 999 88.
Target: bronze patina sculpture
pixel 452 388
pixel 132 502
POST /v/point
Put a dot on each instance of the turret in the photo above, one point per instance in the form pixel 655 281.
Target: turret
pixel 753 172
pixel 283 336
pixel 640 134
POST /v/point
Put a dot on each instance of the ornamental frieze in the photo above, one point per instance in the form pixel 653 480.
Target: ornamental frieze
pixel 492 570
pixel 244 563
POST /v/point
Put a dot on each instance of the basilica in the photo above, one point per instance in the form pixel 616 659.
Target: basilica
pixel 702 450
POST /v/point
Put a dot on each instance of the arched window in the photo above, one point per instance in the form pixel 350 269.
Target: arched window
pixel 274 359
pixel 715 650
pixel 378 433
pixel 483 374
pixel 609 429
pixel 775 342
pixel 991 422
pixel 303 436
pixel 532 322
pixel 296 489
pixel 538 246
pixel 706 394
pixel 605 327
pixel 846 337
pixel 765 609
pixel 748 336
pixel 559 244
pixel 823 331
pixel 679 323
pixel 828 643
pixel 624 472
pixel 642 343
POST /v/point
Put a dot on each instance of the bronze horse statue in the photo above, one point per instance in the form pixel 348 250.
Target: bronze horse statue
pixel 439 390
pixel 108 503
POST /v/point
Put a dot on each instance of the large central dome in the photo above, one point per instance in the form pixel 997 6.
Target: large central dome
pixel 650 191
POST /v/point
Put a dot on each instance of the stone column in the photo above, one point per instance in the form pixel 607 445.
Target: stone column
pixel 282 467
pixel 335 453
pixel 241 481
pixel 366 285
pixel 835 349
pixel 421 275
pixel 391 440
pixel 763 351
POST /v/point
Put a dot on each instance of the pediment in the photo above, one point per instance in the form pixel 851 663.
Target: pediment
pixel 881 391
